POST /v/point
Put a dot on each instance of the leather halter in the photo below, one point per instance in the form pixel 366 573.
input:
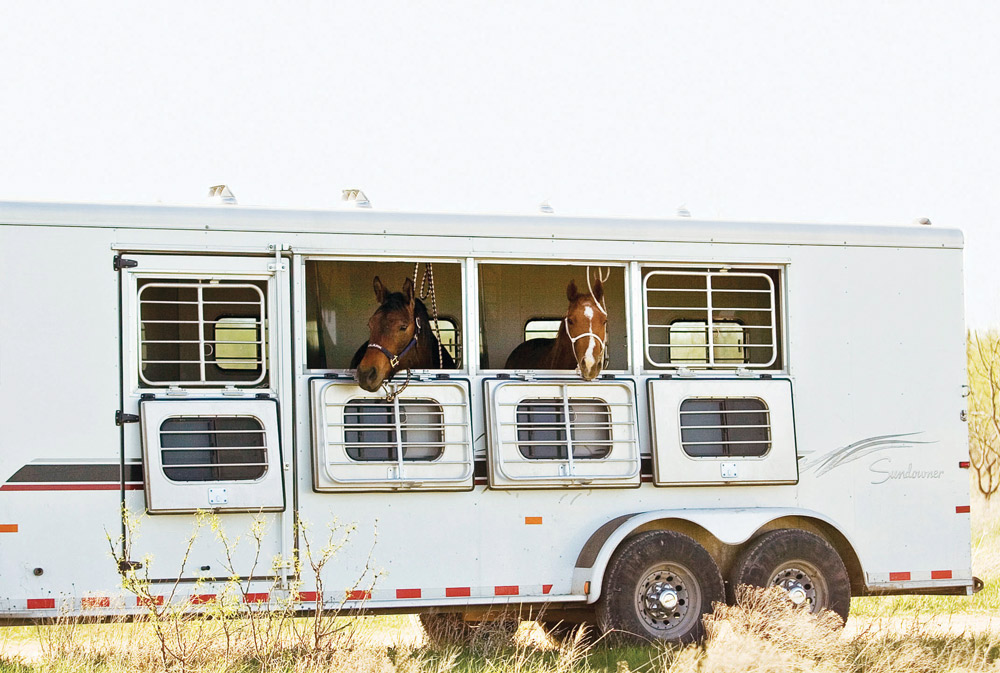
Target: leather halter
pixel 394 359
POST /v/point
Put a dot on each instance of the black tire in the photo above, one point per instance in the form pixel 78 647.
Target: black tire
pixel 450 628
pixel 800 562
pixel 658 586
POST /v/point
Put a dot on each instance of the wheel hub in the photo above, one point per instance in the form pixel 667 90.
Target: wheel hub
pixel 665 599
pixel 800 586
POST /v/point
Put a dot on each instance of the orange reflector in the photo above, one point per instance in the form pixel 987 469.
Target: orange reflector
pixel 533 521
pixel 586 587
pixel 12 527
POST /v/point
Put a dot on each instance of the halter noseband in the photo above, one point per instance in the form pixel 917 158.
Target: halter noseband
pixel 394 359
pixel 574 339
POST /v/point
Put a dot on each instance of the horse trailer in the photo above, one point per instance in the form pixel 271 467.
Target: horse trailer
pixel 779 404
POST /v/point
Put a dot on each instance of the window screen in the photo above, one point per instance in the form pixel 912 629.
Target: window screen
pixel 213 448
pixel 721 427
pixel 372 432
pixel 542 428
pixel 705 318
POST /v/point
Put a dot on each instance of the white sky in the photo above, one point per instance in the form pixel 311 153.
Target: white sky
pixel 816 111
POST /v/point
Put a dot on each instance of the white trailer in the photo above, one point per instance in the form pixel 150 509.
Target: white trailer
pixel 783 404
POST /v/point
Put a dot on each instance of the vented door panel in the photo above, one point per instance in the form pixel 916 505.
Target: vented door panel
pixel 220 455
pixel 562 433
pixel 728 431
pixel 421 440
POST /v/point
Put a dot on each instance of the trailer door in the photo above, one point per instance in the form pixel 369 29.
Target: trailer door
pixel 205 467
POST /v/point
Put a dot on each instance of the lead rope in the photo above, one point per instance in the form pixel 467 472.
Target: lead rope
pixel 602 275
pixel 428 279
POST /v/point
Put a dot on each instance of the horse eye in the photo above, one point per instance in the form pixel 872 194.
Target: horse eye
pixel 571 321
pixel 402 328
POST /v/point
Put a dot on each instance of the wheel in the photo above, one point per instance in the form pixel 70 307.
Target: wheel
pixel 801 563
pixel 450 628
pixel 657 586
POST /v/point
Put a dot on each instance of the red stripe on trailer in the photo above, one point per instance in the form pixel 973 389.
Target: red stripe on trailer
pixel 307 596
pixel 899 577
pixel 505 591
pixel 256 598
pixel 199 599
pixel 95 602
pixel 359 595
pixel 940 574
pixel 8 527
pixel 546 588
pixel 457 592
pixel 407 593
pixel 143 601
pixel 41 603
pixel 963 509
pixel 964 464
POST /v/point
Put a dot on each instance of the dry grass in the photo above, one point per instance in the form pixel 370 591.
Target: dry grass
pixel 763 633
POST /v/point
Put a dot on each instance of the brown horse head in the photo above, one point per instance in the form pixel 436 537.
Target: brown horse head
pixel 586 325
pixel 393 330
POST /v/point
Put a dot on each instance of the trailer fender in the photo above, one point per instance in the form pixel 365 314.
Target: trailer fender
pixel 728 526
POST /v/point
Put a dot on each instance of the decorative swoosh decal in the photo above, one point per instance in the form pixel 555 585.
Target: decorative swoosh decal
pixel 852 452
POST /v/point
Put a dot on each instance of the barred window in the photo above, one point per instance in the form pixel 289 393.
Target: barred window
pixel 724 427
pixel 213 448
pixel 711 318
pixel 542 427
pixel 374 432
pixel 201 333
pixel 542 328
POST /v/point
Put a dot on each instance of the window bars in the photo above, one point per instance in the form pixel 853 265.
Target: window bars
pixel 724 427
pixel 544 424
pixel 201 333
pixel 213 448
pixel 400 431
pixel 710 319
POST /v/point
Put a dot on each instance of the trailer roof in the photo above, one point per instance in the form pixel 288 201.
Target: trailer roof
pixel 365 221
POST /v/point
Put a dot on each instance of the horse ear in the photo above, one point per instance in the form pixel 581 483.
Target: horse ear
pixel 571 292
pixel 379 290
pixel 408 290
pixel 598 290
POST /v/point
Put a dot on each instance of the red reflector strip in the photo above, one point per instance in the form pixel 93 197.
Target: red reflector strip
pixel 505 591
pixel 407 593
pixel 41 603
pixel 546 588
pixel 8 527
pixel 307 596
pixel 964 464
pixel 95 602
pixel 148 600
pixel 256 598
pixel 359 595
pixel 963 509
pixel 61 487
pixel 899 577
pixel 457 592
pixel 199 599
pixel 940 574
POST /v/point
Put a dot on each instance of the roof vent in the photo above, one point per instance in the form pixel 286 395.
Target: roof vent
pixel 682 211
pixel 544 207
pixel 221 194
pixel 355 197
pixel 924 221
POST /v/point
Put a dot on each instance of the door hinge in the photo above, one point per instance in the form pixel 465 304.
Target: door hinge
pixel 121 418
pixel 122 263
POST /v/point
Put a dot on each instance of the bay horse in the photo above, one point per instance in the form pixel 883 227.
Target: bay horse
pixel 580 343
pixel 400 337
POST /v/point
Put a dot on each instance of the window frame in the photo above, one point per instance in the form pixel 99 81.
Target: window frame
pixel 724 442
